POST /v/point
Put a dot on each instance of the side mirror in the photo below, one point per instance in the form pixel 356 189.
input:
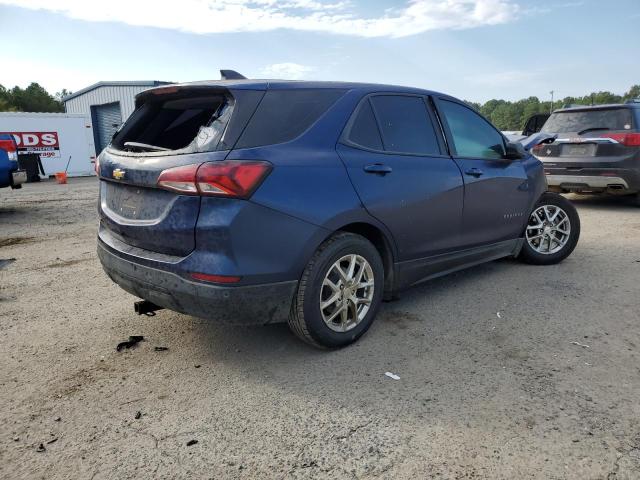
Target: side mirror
pixel 515 151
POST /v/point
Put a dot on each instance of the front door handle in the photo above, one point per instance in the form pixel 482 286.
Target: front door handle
pixel 474 172
pixel 378 168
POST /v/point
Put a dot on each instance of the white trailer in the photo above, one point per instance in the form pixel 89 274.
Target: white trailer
pixel 58 139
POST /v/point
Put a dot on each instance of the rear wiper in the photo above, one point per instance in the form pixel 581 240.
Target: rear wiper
pixel 592 129
pixel 145 147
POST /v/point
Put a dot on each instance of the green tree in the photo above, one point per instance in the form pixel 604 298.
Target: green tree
pixel 34 98
pixel 634 92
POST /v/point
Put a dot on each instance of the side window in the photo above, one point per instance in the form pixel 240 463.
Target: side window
pixel 472 135
pixel 364 130
pixel 285 114
pixel 405 125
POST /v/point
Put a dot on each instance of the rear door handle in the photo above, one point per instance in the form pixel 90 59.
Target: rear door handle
pixel 378 168
pixel 474 172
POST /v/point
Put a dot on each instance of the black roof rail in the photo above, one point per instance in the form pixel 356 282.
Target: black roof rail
pixel 231 75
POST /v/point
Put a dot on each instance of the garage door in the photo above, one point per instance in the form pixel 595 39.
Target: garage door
pixel 107 119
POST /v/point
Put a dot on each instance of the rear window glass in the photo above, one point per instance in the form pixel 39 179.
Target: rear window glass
pixel 405 125
pixel 285 114
pixel 364 131
pixel 576 121
pixel 174 123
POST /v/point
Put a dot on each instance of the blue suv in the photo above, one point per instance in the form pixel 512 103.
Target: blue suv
pixel 249 201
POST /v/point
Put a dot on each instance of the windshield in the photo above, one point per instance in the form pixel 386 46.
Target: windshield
pixel 577 121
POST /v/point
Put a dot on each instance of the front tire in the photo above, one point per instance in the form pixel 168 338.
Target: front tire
pixel 339 293
pixel 552 231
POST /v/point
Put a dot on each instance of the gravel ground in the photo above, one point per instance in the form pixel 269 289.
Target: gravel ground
pixel 506 370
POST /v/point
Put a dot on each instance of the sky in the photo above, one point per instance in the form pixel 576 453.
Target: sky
pixel 473 49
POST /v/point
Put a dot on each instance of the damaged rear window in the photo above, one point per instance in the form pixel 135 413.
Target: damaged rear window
pixel 169 123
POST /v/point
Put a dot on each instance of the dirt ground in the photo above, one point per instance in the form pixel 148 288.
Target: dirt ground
pixel 506 370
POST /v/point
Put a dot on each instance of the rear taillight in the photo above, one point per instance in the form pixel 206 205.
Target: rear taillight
pixel 10 147
pixel 626 139
pixel 229 178
pixel 180 179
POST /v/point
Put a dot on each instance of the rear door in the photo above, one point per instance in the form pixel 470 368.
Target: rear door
pixel 497 193
pixel 397 163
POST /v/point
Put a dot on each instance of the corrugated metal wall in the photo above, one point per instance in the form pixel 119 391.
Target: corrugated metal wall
pixel 124 94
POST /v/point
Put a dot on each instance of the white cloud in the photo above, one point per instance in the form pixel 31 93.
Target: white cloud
pixel 224 16
pixel 287 71
pixel 49 75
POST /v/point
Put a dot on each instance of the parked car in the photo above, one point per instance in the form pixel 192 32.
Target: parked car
pixel 532 126
pixel 309 202
pixel 10 173
pixel 597 150
pixel 535 123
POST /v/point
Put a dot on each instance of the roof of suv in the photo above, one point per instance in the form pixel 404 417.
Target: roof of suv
pixel 251 84
pixel 598 107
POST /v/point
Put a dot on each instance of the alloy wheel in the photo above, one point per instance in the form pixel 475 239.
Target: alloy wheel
pixel 549 229
pixel 346 293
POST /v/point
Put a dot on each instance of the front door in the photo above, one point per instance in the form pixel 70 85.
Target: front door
pixel 397 162
pixel 497 191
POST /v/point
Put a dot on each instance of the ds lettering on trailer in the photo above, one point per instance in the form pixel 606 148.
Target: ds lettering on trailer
pixel 45 144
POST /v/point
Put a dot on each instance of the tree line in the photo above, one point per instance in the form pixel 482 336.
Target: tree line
pixel 512 115
pixel 34 98
pixel 504 114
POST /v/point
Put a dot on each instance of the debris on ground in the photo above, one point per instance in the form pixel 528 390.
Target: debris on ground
pixel 392 375
pixel 132 342
pixel 138 415
pixel 5 262
pixel 161 349
pixel 580 344
pixel 57 419
pixel 53 440
pixel 191 442
pixel 41 448
pixel 498 314
pixel 197 366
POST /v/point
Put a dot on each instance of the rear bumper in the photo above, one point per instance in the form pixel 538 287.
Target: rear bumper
pixel 241 305
pixel 615 181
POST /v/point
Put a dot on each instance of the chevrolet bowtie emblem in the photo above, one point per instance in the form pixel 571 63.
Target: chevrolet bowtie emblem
pixel 118 174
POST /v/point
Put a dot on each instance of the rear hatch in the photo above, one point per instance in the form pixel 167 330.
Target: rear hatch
pixel 172 126
pixel 590 139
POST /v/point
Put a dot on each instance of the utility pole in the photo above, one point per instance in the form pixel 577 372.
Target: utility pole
pixel 551 107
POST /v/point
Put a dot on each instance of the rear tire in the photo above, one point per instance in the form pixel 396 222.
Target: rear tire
pixel 552 231
pixel 332 308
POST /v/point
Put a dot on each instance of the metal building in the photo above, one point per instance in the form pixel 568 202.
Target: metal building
pixel 108 104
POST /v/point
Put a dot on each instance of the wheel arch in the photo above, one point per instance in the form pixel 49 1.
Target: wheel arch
pixel 383 245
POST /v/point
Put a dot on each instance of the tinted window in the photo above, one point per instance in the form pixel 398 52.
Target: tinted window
pixel 285 114
pixel 612 119
pixel 364 130
pixel 472 135
pixel 405 125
